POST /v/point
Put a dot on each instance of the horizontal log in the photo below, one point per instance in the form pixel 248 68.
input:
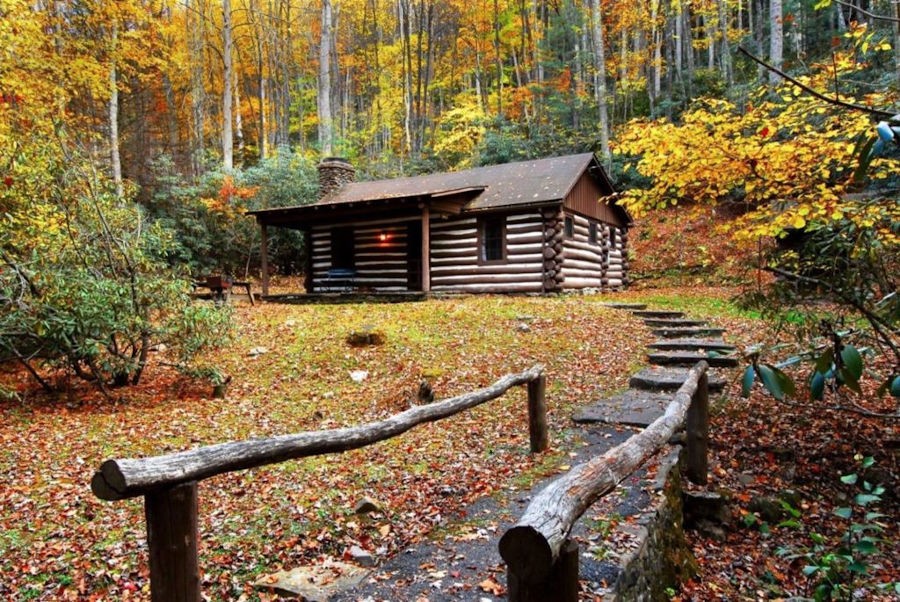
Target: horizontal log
pixel 525 217
pixel 593 249
pixel 575 282
pixel 508 287
pixel 581 258
pixel 487 278
pixel 523 268
pixel 131 477
pixel 582 274
pixel 531 547
pixel 453 243
pixel 525 237
pixel 452 223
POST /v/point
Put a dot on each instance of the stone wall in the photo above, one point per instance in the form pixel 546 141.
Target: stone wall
pixel 660 558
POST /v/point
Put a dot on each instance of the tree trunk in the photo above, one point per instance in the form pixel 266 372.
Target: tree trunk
pixel 776 40
pixel 326 125
pixel 227 88
pixel 114 155
pixel 600 78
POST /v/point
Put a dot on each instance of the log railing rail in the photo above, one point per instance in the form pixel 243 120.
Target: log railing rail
pixel 542 563
pixel 169 482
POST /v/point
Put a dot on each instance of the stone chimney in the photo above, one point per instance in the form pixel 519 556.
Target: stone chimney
pixel 334 172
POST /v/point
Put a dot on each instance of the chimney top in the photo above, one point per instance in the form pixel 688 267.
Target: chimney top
pixel 334 172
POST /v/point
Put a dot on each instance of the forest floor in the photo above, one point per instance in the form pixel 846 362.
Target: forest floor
pixel 291 370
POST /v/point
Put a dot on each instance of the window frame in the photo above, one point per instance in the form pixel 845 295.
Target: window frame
pixel 483 224
pixel 569 227
pixel 593 237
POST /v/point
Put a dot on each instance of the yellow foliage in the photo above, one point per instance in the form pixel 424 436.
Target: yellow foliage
pixel 788 162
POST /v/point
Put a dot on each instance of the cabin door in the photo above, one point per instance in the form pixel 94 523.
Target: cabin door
pixel 414 256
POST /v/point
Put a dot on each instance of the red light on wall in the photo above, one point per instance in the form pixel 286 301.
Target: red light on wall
pixel 383 237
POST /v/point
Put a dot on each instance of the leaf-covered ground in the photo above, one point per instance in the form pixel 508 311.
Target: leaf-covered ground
pixel 57 542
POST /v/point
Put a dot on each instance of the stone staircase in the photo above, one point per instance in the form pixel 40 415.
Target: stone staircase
pixel 683 342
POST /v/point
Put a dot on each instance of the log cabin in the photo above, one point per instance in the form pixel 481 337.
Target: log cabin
pixel 537 226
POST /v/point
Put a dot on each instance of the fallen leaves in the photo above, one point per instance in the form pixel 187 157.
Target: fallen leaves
pixel 58 542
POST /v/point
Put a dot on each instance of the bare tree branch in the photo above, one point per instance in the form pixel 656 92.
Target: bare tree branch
pixel 867 13
pixel 835 101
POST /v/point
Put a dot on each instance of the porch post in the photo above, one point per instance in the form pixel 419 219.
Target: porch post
pixel 264 257
pixel 426 249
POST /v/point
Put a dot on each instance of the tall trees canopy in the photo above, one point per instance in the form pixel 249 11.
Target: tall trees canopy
pixel 225 84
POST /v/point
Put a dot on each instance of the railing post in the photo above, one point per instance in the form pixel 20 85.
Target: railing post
pixel 172 539
pixel 698 432
pixel 537 414
pixel 561 585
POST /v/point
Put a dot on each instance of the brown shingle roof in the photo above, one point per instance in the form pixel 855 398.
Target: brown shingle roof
pixel 535 182
pixel 509 184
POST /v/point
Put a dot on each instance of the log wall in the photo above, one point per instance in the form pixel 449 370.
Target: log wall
pixel 379 264
pixel 455 264
pixel 601 265
pixel 582 264
pixel 615 267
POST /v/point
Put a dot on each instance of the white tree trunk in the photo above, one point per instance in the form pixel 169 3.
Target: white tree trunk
pixel 776 40
pixel 326 126
pixel 114 154
pixel 227 88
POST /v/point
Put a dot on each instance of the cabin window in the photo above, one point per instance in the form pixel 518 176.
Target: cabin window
pixel 570 227
pixel 592 233
pixel 342 251
pixel 612 238
pixel 493 239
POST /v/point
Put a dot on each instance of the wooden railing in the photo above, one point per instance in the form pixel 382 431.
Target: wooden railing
pixel 169 483
pixel 542 563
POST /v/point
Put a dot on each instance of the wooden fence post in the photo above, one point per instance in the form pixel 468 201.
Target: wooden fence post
pixel 698 432
pixel 537 414
pixel 172 539
pixel 561 585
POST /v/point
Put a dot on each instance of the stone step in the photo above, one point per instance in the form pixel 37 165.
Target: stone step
pixel 658 313
pixel 631 306
pixel 678 344
pixel 674 322
pixel 688 331
pixel 633 407
pixel 687 357
pixel 658 378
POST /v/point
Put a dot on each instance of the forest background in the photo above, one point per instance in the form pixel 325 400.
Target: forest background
pixel 199 110
pixel 134 135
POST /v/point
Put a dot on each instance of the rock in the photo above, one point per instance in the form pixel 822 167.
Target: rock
pixel 361 557
pixel 768 508
pixel 366 337
pixel 746 479
pixel 522 327
pixel 315 583
pixel 365 506
pixel 256 351
pixel 711 530
pixel 704 506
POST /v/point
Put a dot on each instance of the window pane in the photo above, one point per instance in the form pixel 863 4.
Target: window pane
pixel 492 239
pixel 570 227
